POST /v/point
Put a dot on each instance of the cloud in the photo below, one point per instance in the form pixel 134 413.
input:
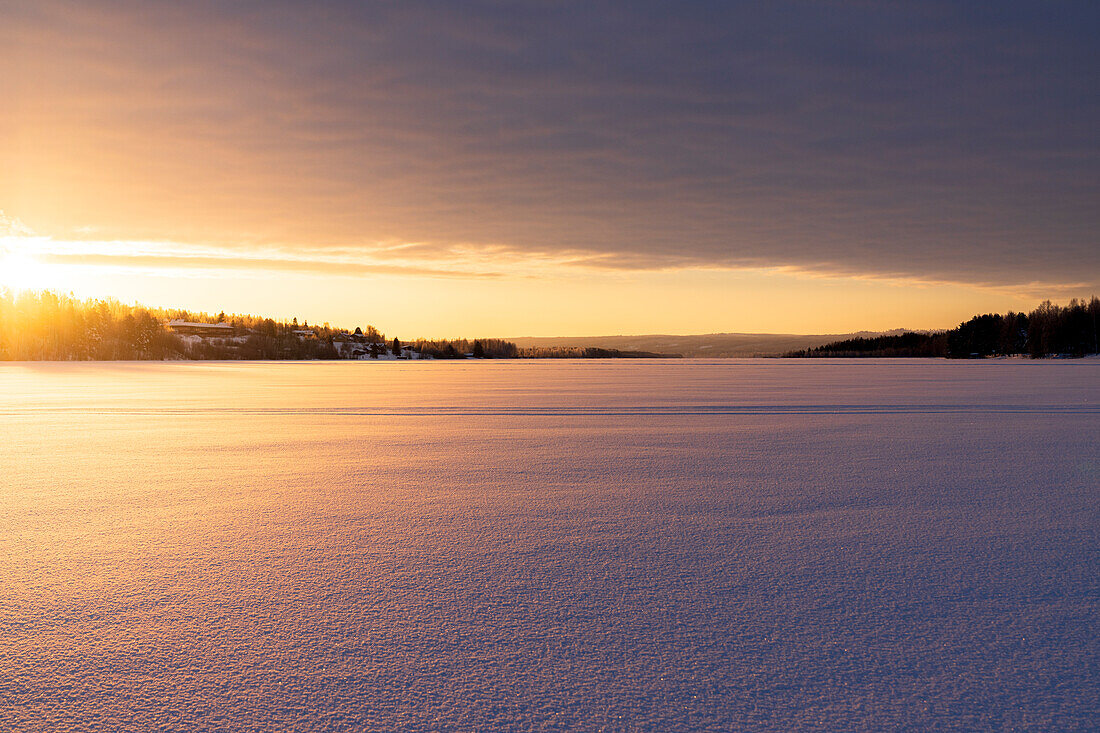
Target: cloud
pixel 930 140
pixel 311 266
pixel 11 227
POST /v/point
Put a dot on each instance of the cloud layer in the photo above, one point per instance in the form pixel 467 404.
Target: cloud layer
pixel 922 140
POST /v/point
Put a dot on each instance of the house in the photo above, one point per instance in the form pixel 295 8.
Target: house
pixel 189 328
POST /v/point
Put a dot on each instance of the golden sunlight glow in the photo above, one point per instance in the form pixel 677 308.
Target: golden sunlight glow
pixel 19 269
pixel 556 300
pixel 460 295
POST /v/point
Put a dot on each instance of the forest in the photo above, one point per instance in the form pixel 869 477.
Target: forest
pixel 588 352
pixel 1049 330
pixel 47 326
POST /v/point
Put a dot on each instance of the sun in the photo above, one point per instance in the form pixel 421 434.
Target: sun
pixel 20 270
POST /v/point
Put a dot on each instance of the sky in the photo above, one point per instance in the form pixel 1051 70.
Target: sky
pixel 555 168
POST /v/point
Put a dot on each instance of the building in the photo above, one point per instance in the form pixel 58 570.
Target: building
pixel 189 328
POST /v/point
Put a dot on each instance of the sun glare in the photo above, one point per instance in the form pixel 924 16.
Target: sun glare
pixel 21 270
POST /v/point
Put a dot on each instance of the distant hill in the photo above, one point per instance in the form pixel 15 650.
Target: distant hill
pixel 710 345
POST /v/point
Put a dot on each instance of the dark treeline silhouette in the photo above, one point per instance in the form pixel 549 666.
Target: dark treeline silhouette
pixel 500 349
pixel 1049 330
pixel 911 343
pixel 460 348
pixel 588 352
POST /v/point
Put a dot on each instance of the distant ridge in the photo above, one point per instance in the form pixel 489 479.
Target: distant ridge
pixel 1048 330
pixel 710 345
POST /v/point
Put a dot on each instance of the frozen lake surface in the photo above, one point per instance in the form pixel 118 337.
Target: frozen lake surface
pixel 617 545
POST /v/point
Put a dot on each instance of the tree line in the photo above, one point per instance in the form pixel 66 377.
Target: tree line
pixel 46 326
pixel 1049 330
pixel 37 326
pixel 588 352
pixel 460 348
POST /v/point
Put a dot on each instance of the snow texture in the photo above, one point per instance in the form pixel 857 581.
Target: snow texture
pixel 615 545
